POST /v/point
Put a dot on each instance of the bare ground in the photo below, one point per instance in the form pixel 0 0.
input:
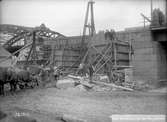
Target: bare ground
pixel 90 106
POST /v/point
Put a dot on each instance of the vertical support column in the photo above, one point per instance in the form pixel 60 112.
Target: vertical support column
pixel 130 51
pixel 115 54
pixel 151 10
pixel 166 12
pixel 86 25
pixel 32 49
pixel 92 19
pixel 34 53
pixel 52 55
pixel 54 50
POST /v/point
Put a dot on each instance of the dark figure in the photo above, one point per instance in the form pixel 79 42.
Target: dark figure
pixel 12 78
pixel 107 71
pixel 90 72
pixel 158 18
pixel 34 79
pixel 3 77
pixel 111 35
pixel 56 73
pixel 6 76
pixel 82 69
pixel 25 78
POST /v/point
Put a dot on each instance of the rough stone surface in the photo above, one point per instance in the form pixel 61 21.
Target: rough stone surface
pixel 69 118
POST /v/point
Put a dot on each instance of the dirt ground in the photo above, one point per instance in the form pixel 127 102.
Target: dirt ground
pixel 86 105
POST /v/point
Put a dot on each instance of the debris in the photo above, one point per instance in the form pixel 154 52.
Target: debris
pixel 81 88
pixel 101 88
pixel 112 85
pixel 81 80
pixel 140 85
pixel 99 85
pixel 86 84
pixel 66 83
pixel 2 115
pixel 104 78
pixel 128 74
pixel 75 77
pixel 78 88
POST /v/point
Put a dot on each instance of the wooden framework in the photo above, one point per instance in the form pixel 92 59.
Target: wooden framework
pixel 20 34
pixel 113 55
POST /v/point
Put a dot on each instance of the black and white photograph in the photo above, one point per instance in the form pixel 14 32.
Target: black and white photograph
pixel 83 60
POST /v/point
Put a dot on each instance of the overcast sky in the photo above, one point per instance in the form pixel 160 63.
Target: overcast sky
pixel 67 16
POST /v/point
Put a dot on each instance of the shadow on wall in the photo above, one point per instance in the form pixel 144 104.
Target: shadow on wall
pixel 162 69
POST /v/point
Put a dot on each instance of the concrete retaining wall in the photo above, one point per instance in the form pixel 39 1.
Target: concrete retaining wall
pixel 149 60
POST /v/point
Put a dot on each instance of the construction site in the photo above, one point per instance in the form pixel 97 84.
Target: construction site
pixel 46 76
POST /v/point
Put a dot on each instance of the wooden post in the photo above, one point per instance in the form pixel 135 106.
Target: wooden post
pixel 54 50
pixel 52 55
pixel 32 49
pixel 115 54
pixel 130 51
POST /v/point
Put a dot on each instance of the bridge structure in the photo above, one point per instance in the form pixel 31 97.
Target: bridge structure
pixel 159 33
pixel 27 38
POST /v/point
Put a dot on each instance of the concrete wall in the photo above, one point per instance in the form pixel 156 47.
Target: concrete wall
pixel 149 59
pixel 162 61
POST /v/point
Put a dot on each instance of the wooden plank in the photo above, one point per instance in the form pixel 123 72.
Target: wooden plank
pixel 112 85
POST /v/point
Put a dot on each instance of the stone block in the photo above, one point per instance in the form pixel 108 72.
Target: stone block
pixel 65 83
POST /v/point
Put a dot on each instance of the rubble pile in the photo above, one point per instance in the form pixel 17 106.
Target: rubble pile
pixel 65 83
pixel 99 83
pixel 2 115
